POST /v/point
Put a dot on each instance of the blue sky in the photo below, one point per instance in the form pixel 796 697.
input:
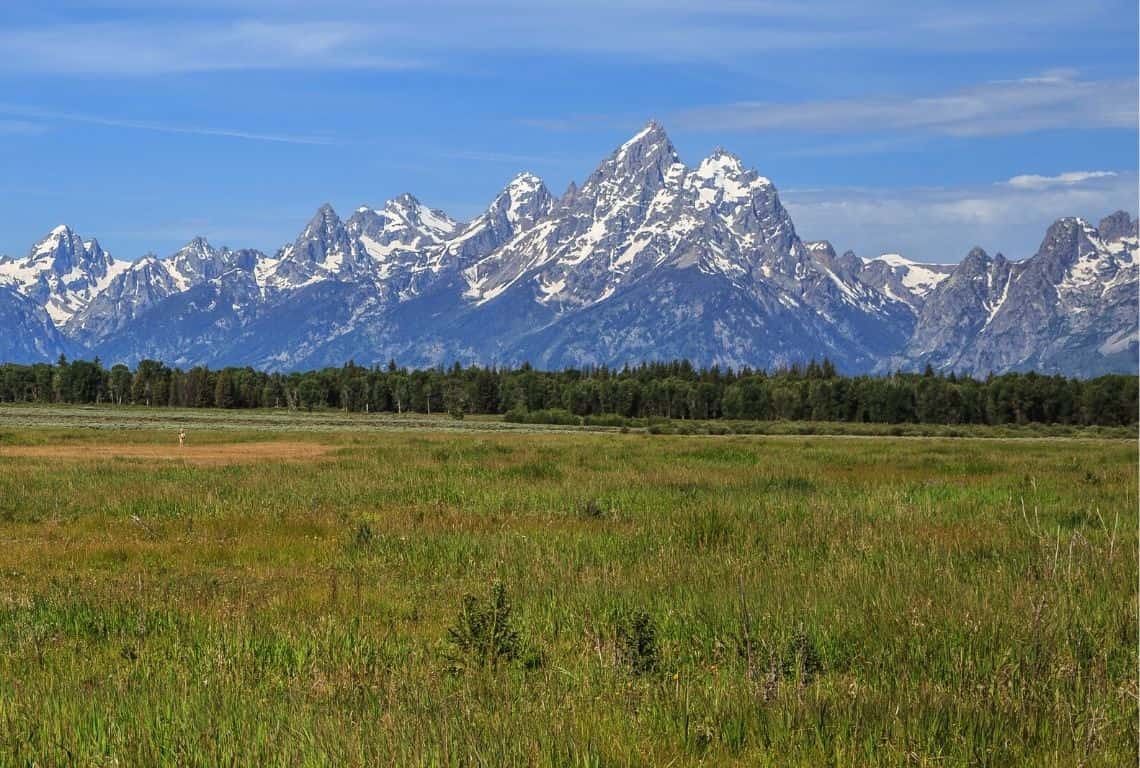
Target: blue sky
pixel 924 128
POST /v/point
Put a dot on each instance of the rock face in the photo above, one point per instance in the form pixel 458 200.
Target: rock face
pixel 648 259
pixel 28 336
pixel 1071 308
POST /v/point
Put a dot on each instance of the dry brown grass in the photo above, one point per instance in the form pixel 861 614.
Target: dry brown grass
pixel 210 455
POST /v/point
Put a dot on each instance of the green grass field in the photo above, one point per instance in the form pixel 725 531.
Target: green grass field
pixel 291 591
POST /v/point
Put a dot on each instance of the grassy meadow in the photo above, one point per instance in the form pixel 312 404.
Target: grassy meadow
pixel 317 590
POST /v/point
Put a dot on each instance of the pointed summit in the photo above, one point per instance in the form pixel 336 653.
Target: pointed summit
pixel 977 257
pixel 1067 239
pixel 325 213
pixel 323 235
pixel 61 239
pixel 1117 226
pixel 525 180
pixel 652 132
pixel 198 243
pixel 523 202
pixel 632 174
pixel 198 260
pixel 649 145
pixel 406 212
pixel 63 252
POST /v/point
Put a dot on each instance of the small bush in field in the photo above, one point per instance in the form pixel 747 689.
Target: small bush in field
pixel 363 535
pixel 801 659
pixel 483 636
pixel 637 642
pixel 591 509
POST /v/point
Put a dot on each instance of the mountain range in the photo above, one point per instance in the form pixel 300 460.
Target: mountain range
pixel 648 259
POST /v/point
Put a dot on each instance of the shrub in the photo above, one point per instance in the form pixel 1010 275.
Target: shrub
pixel 591 509
pixel 637 642
pixel 549 416
pixel 605 420
pixel 801 659
pixel 483 636
pixel 364 535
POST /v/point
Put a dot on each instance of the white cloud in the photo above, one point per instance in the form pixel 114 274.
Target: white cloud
pixel 154 37
pixel 1052 101
pixel 1034 181
pixel 940 225
pixel 132 48
pixel 20 126
pixel 145 125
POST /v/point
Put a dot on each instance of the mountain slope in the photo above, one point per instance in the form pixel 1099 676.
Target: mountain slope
pixel 1072 307
pixel 29 336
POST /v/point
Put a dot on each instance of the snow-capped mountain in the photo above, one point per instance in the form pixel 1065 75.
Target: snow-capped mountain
pixel 649 258
pixel 62 273
pixel 1072 307
pixel 902 279
pixel 146 283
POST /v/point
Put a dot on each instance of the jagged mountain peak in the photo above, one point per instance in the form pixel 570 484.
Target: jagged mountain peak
pixel 1068 240
pixel 651 134
pixel 525 181
pixel 642 159
pixel 526 196
pixel 648 258
pixel 977 256
pixel 406 210
pixel 1118 225
pixel 821 247
pixel 720 160
pixel 198 242
pixel 62 272
pixel 518 207
pixel 324 218
pixel 60 234
pixel 324 242
pixel 63 252
pixel 723 180
pixel 324 228
pixel 198 260
pixel 197 248
pixel 60 242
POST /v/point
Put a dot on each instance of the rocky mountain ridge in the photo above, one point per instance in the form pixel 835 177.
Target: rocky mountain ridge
pixel 648 259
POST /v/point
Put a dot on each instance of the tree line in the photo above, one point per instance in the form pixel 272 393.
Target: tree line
pixel 674 390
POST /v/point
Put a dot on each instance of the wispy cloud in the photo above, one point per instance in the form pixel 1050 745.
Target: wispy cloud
pixel 1035 181
pixel 1052 101
pixel 493 157
pixel 172 46
pixel 21 126
pixel 43 115
pixel 154 37
pixel 941 224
